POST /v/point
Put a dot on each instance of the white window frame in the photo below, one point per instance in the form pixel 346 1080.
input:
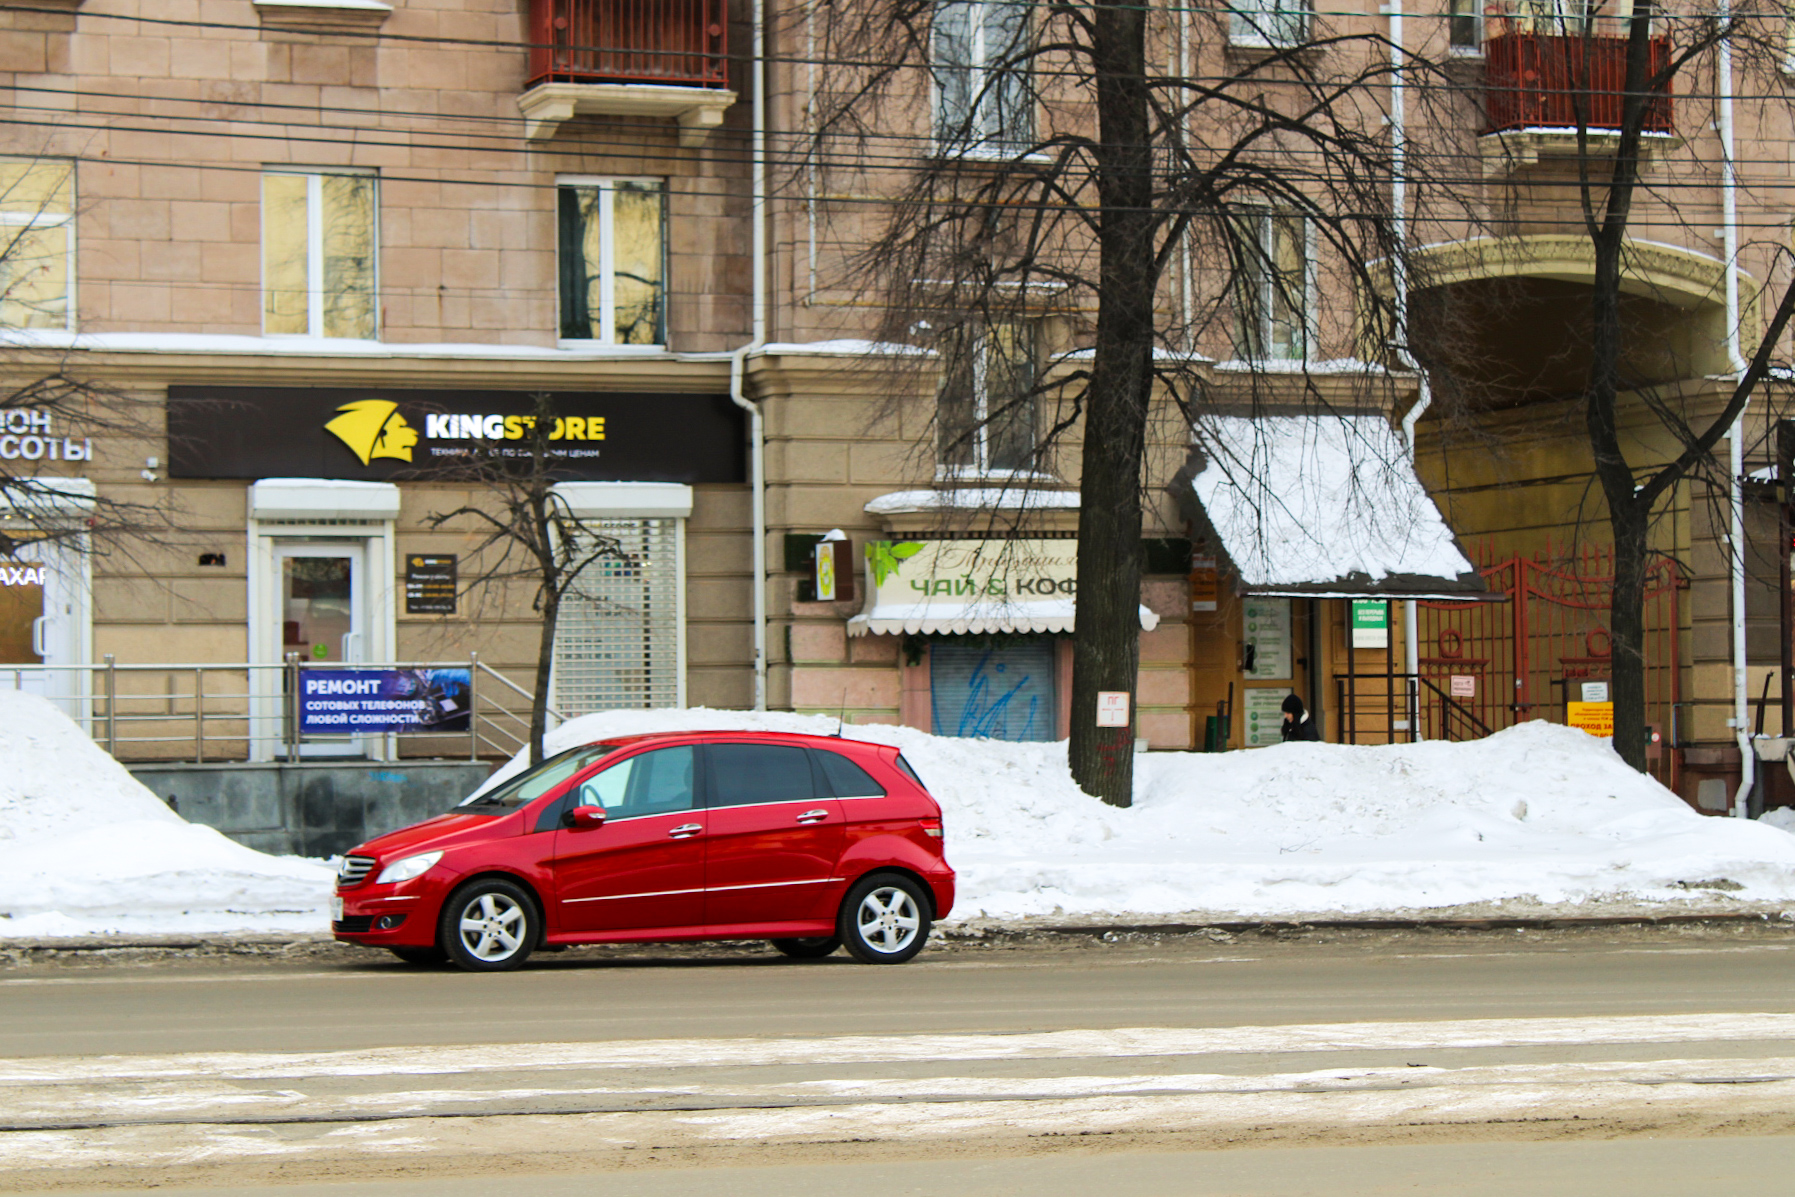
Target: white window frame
pixel 1305 317
pixel 985 119
pixel 1478 29
pixel 314 246
pixel 606 186
pixel 12 221
pixel 1250 23
pixel 980 466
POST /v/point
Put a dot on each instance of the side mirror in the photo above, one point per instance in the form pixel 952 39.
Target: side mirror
pixel 583 818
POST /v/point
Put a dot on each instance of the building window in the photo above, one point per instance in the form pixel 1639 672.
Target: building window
pixel 1464 26
pixel 613 261
pixel 1274 23
pixel 1271 292
pixel 617 642
pixel 986 408
pixel 981 78
pixel 37 257
pixel 318 254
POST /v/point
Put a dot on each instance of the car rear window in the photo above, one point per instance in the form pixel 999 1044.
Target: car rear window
pixel 844 778
pixel 909 772
pixel 744 774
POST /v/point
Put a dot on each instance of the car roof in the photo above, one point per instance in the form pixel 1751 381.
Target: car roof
pixel 787 737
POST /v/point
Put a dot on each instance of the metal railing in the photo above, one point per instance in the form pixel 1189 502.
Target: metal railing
pixel 217 712
pixel 677 42
pixel 1390 708
pixel 1560 80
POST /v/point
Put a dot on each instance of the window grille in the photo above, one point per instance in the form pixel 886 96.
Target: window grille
pixel 617 643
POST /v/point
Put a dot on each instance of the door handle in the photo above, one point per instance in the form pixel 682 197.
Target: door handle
pixel 686 831
pixel 351 646
pixel 40 640
pixel 813 816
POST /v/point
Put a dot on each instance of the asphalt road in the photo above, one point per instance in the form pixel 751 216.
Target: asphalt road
pixel 1586 1062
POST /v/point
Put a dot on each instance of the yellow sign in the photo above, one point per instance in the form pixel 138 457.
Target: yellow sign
pixel 374 428
pixel 1596 718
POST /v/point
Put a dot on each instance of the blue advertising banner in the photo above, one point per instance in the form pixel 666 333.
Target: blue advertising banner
pixel 348 701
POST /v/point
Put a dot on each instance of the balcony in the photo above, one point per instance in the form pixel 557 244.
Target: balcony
pixel 642 58
pixel 1538 88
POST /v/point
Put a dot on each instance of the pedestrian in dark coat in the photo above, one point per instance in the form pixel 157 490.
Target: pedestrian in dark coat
pixel 1297 724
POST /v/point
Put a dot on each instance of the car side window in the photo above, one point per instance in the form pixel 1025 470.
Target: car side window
pixel 844 778
pixel 746 774
pixel 654 783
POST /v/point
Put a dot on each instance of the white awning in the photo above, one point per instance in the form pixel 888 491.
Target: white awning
pixel 1326 505
pixel 944 616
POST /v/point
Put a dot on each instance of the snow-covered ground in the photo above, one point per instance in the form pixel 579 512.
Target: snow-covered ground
pixel 1536 819
pixel 85 848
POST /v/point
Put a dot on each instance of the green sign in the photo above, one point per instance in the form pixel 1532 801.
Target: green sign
pixel 1369 620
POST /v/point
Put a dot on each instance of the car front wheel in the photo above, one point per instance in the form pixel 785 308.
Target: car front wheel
pixel 884 919
pixel 489 926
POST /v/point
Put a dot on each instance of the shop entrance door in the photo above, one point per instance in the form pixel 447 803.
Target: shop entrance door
pixel 323 614
pixel 40 620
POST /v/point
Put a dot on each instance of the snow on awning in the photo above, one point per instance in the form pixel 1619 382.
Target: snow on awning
pixel 1326 506
pixel 961 587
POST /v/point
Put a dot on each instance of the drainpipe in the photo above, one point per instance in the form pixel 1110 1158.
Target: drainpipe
pixel 738 361
pixel 1729 232
pixel 1399 273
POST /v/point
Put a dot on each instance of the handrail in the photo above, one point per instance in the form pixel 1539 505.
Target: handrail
pixel 485 668
pixel 1451 704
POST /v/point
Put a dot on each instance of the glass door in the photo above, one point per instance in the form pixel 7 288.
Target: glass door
pixel 323 618
pixel 39 623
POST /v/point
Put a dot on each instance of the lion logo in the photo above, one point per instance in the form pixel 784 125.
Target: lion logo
pixel 374 428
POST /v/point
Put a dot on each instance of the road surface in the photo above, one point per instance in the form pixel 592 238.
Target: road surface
pixel 1624 1061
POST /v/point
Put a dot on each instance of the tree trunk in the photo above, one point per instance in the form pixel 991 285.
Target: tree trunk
pixel 1626 629
pixel 1106 652
pixel 545 660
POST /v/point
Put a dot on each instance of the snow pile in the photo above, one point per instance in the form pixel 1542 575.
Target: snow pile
pixel 1539 814
pixel 85 848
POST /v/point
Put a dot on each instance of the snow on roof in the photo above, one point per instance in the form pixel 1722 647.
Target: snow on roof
pixel 128 342
pixel 978 498
pixel 1325 502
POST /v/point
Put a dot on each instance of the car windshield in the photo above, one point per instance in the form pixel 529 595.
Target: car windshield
pixel 532 784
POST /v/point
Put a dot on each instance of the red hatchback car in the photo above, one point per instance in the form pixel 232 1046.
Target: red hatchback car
pixel 811 842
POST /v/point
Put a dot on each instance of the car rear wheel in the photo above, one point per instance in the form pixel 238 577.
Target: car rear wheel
pixel 429 955
pixel 489 926
pixel 884 919
pixel 808 949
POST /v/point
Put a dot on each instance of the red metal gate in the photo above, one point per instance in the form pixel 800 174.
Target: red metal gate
pixel 1525 657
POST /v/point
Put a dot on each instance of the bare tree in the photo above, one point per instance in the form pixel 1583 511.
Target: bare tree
pixel 1627 180
pixel 1068 167
pixel 527 532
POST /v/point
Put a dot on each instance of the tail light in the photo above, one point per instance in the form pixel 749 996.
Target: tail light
pixel 932 827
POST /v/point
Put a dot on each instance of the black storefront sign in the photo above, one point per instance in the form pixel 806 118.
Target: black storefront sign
pixel 430 584
pixel 393 434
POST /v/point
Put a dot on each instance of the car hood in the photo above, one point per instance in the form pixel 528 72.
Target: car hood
pixel 444 831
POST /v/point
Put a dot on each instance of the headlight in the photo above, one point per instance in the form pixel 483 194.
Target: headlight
pixel 405 868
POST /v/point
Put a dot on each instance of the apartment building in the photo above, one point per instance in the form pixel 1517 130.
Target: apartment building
pixel 323 247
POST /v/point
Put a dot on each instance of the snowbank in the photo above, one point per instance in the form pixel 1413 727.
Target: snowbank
pixel 86 848
pixel 1534 816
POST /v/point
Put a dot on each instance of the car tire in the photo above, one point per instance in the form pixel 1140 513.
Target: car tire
pixel 884 919
pixel 489 925
pixel 430 955
pixel 808 949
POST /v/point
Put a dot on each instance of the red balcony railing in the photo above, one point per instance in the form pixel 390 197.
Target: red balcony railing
pixel 1545 81
pixel 678 42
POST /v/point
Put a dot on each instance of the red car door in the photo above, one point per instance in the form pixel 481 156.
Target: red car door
pixel 644 868
pixel 771 841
